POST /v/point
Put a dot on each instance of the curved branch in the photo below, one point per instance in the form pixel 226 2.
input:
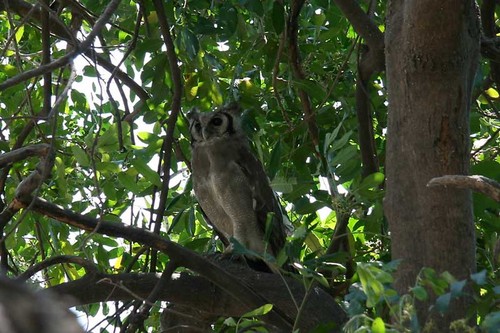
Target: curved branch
pixel 199 293
pixel 101 22
pixel 184 257
pixel 89 266
pixel 23 153
pixel 362 23
pixel 119 74
pixel 479 184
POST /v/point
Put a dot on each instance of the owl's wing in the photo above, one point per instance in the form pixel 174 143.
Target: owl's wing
pixel 264 198
pixel 220 234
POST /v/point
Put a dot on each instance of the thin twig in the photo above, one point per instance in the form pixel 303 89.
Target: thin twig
pixel 89 266
pixel 99 25
pixel 175 108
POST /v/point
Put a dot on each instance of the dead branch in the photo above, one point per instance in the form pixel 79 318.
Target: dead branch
pixel 476 183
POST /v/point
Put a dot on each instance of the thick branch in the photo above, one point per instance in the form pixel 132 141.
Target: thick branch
pixel 184 257
pixel 362 23
pixel 479 184
pixel 199 293
pixel 364 113
pixel 22 311
pixel 23 153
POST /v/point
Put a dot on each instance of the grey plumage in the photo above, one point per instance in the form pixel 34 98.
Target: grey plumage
pixel 230 183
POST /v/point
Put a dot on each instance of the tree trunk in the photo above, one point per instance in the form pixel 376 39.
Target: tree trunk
pixel 432 52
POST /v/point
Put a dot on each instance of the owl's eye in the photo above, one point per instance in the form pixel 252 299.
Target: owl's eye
pixel 197 127
pixel 216 121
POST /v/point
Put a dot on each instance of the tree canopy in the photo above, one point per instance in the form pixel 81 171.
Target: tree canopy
pixel 95 182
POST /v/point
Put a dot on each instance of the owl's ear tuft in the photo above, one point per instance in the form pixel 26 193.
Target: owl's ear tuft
pixel 193 114
pixel 233 108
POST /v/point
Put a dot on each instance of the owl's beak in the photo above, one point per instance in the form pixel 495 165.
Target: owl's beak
pixel 207 133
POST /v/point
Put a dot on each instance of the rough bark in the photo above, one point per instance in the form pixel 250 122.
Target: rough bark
pixel 432 50
pixel 21 310
pixel 207 299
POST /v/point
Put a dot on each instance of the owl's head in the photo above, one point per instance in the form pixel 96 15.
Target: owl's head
pixel 221 123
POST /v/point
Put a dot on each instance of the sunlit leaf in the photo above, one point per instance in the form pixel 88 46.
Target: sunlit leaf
pixel 378 325
pixel 80 155
pixel 492 93
pixel 144 169
pixel 262 310
pixel 19 33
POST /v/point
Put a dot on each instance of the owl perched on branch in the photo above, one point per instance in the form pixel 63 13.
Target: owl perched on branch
pixel 230 183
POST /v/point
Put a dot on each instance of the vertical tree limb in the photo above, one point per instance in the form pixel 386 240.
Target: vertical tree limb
pixel 172 119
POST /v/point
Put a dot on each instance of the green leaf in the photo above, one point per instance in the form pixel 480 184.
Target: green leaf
pixel 342 141
pixel 190 43
pixel 480 278
pixel 372 181
pixel 443 302
pixel 260 311
pixel 278 16
pixel 108 141
pixel 61 176
pixel 330 137
pixel 492 93
pixel 283 185
pixel 227 20
pixel 378 325
pixel 274 163
pixel 313 89
pixel 372 287
pixel 148 173
pixel 491 323
pixel 457 287
pixel 128 180
pixel 80 155
pixel 306 207
pixel 255 6
pixel 19 33
pixel 420 293
pixel 230 322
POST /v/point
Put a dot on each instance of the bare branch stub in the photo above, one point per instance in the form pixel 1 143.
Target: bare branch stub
pixel 479 184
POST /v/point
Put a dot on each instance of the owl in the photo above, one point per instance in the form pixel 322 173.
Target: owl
pixel 230 183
